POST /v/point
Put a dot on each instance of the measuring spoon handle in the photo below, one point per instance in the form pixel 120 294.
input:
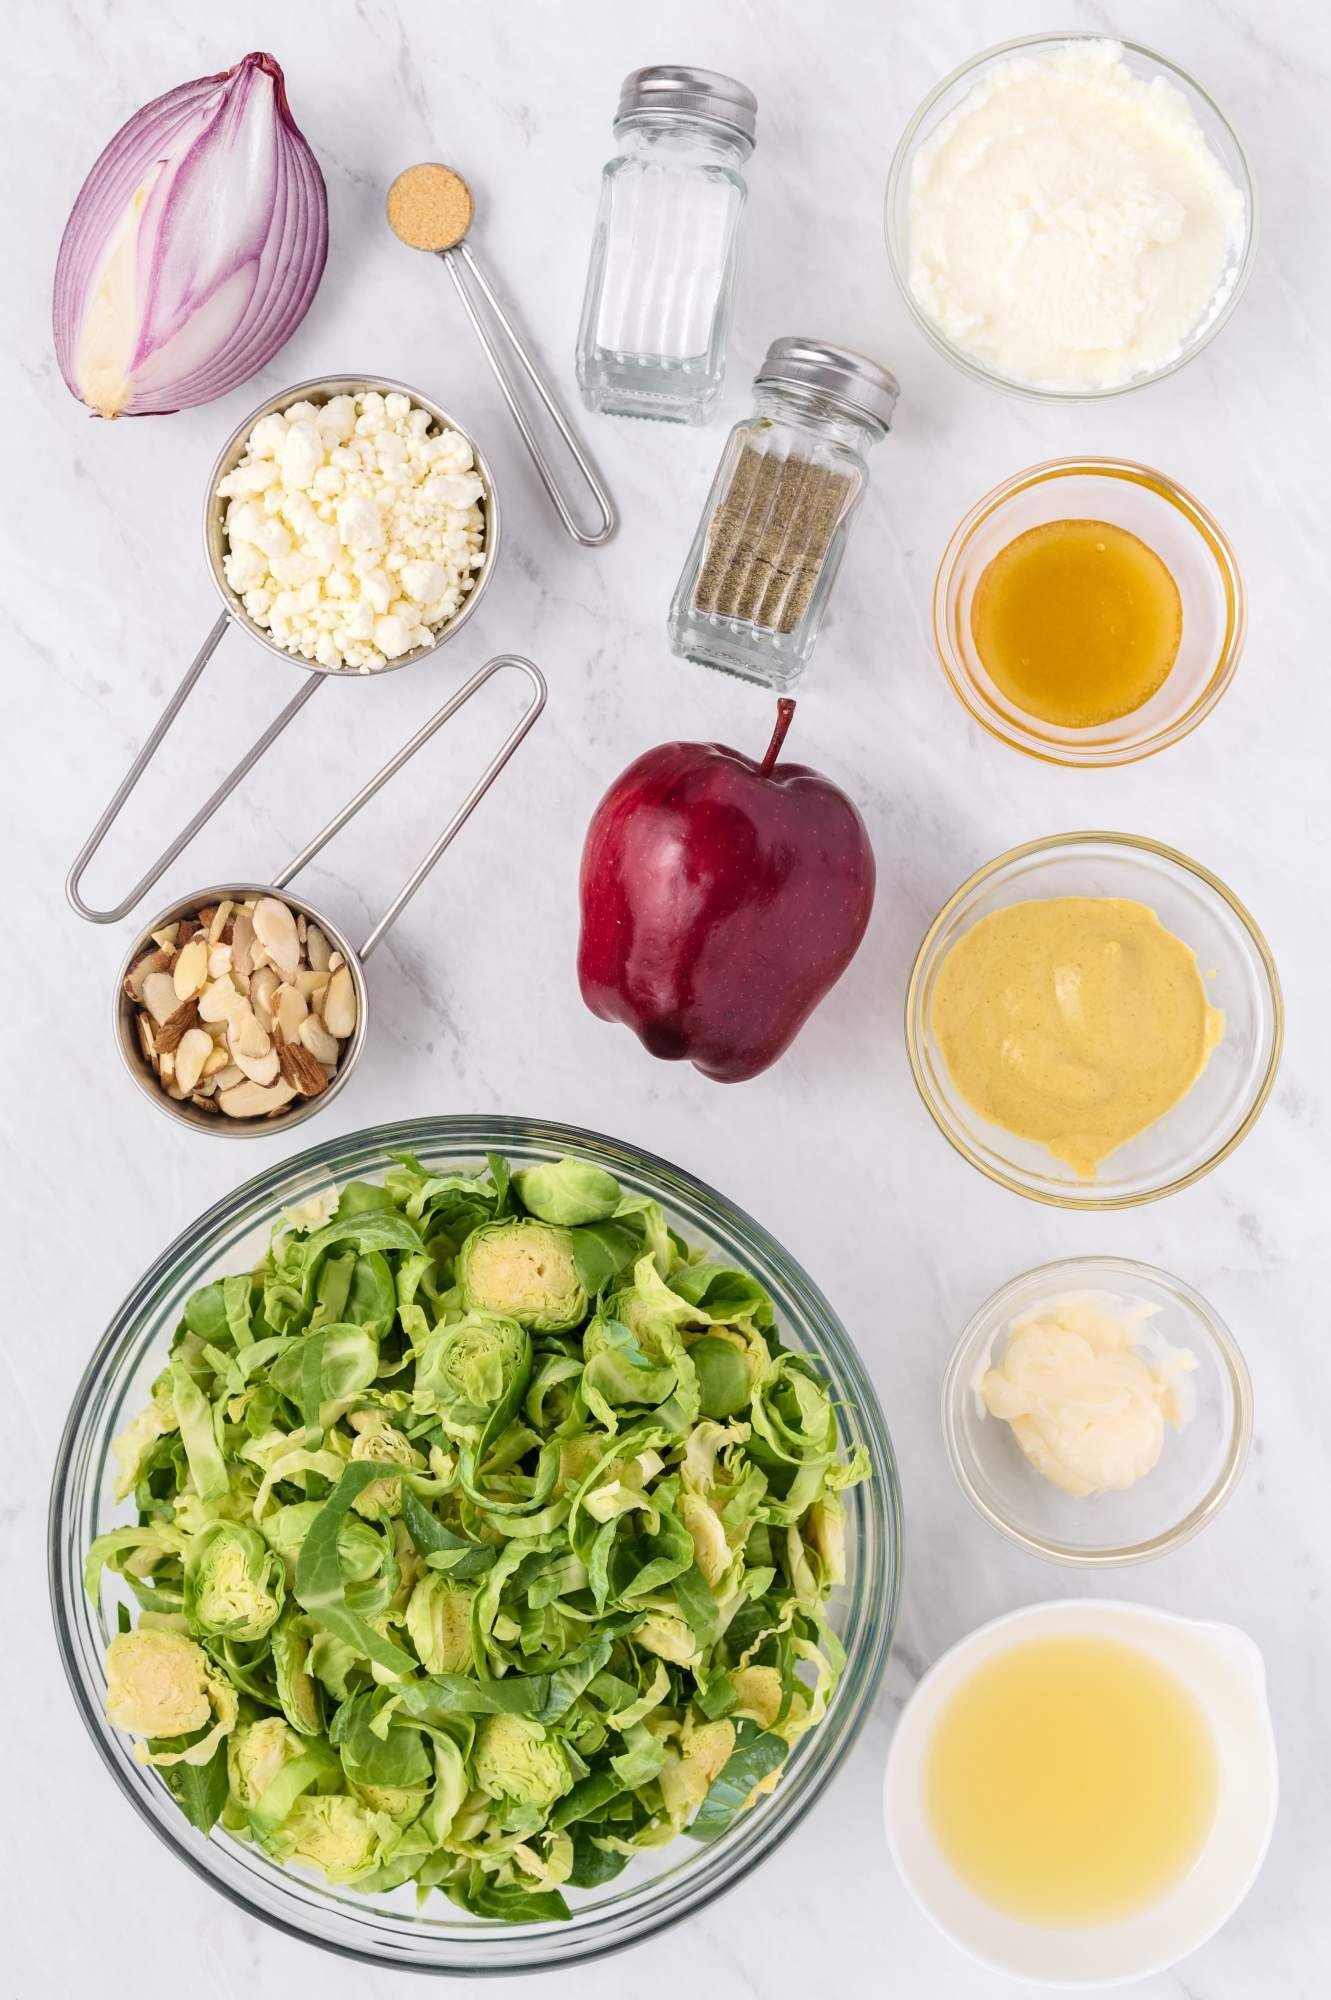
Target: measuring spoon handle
pixel 456 259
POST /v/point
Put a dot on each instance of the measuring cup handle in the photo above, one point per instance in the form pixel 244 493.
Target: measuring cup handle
pixel 381 777
pixel 131 778
pixel 522 354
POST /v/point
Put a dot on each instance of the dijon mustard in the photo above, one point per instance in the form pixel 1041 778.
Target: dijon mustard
pixel 1074 1021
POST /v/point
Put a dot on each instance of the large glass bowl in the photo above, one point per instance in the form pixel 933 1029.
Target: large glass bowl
pixel 659 1888
pixel 1144 63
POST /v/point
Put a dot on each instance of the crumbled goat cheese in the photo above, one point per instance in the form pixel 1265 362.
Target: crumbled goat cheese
pixel 354 529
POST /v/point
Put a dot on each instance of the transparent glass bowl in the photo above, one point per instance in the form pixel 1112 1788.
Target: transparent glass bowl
pixel 1199 1466
pixel 661 1887
pixel 1168 520
pixel 1240 975
pixel 1220 137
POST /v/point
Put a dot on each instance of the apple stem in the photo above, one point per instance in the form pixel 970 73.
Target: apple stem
pixel 785 715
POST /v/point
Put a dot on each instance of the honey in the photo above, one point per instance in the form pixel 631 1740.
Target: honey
pixel 1077 623
pixel 1071 1781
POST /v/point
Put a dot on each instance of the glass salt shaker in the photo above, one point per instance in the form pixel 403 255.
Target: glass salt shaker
pixel 660 286
pixel 771 538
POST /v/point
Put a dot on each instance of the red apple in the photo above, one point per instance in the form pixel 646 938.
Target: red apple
pixel 721 899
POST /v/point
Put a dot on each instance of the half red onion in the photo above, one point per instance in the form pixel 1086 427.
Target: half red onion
pixel 194 248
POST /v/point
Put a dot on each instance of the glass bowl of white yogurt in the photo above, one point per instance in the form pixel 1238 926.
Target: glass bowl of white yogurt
pixel 1097 1411
pixel 1070 216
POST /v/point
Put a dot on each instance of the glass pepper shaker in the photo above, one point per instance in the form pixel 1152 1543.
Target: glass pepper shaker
pixel 660 286
pixel 774 529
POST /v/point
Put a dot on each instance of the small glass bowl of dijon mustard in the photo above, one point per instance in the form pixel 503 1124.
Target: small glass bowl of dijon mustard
pixel 1089 612
pixel 1085 1484
pixel 1096 1092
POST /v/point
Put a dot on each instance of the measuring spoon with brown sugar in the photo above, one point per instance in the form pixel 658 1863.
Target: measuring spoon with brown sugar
pixel 430 207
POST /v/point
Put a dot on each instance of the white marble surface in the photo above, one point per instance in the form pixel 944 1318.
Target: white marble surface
pixel 105 596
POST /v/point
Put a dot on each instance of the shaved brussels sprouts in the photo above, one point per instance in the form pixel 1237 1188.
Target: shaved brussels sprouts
pixel 439 1624
pixel 255 1754
pixel 523 1270
pixel 486 1536
pixel 567 1192
pixel 157 1683
pixel 472 1374
pixel 522 1767
pixel 234 1586
pixel 337 1834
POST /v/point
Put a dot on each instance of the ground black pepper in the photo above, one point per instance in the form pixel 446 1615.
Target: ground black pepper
pixel 768 538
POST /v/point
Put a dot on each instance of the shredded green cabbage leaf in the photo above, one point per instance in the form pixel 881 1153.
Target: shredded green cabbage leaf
pixel 486 1537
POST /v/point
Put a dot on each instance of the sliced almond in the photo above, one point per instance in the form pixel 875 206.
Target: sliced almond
pixel 204 1103
pixel 311 984
pixel 194 1050
pixel 139 972
pixel 263 985
pixel 205 916
pixel 166 1067
pixel 259 1069
pixel 254 1100
pixel 275 928
pixel 190 971
pixel 177 1025
pixel 166 937
pixel 145 1032
pixel 339 1008
pixel 335 961
pixel 289 1010
pixel 220 919
pixel 300 1068
pixel 217 1059
pixel 302 926
pixel 230 1076
pixel 220 1001
pixel 246 1034
pixel 242 943
pixel 317 949
pixel 317 1039
pixel 160 996
pixel 219 960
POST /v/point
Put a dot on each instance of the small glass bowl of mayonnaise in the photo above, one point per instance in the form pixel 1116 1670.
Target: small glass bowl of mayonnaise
pixel 1183 1354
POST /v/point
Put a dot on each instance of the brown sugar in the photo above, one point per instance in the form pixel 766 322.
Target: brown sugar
pixel 430 207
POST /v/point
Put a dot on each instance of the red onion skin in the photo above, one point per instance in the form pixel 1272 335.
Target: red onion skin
pixel 285 258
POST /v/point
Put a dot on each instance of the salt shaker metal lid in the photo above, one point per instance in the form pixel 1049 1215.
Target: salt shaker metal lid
pixel 674 89
pixel 852 378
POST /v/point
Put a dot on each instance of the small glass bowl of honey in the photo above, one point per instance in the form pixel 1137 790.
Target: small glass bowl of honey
pixel 1089 611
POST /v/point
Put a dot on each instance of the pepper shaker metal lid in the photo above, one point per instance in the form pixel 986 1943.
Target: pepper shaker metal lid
pixel 852 378
pixel 672 88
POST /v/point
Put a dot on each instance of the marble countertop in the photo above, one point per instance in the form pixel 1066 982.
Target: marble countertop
pixel 106 597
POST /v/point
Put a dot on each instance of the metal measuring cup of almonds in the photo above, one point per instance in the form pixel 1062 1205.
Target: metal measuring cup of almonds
pixel 242 1009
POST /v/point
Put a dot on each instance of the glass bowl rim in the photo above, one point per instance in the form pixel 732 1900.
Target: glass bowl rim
pixel 863 1671
pixel 1233 1367
pixel 1139 843
pixel 1219 547
pixel 895 250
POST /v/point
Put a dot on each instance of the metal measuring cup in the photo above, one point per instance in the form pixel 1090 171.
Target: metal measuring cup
pixel 234 612
pixel 301 1108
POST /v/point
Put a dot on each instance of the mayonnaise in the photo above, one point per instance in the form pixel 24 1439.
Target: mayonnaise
pixel 1087 1407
